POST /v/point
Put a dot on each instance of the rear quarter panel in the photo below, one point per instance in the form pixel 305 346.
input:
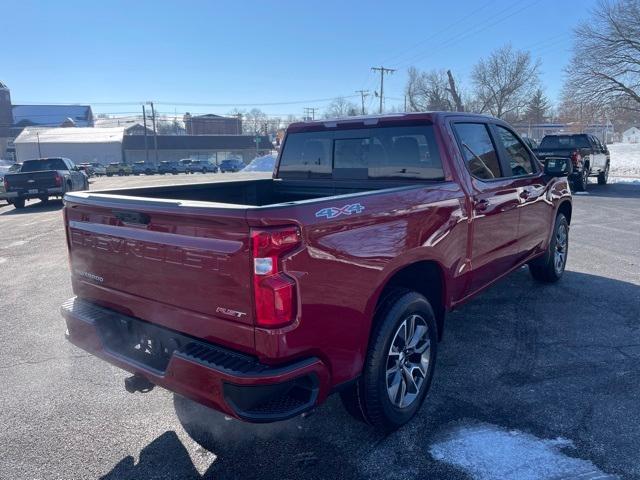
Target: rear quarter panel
pixel 346 261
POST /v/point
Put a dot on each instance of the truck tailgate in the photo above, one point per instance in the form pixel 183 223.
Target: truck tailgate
pixel 185 267
pixel 25 181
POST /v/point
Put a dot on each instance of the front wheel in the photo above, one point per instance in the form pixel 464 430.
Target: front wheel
pixel 550 267
pixel 399 365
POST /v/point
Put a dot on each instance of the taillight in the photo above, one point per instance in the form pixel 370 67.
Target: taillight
pixel 575 158
pixel 6 184
pixel 275 291
pixel 58 180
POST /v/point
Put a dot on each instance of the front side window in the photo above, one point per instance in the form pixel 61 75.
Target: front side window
pixel 517 154
pixel 478 150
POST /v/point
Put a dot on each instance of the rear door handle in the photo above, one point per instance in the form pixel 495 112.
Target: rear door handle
pixel 524 194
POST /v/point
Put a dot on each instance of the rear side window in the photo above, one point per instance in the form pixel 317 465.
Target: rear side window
pixel 478 150
pixel 517 154
pixel 376 153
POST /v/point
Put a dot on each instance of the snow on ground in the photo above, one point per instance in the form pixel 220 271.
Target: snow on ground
pixel 625 162
pixel 489 452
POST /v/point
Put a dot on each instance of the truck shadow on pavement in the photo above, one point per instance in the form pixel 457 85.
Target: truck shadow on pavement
pixel 35 207
pixel 614 190
pixel 553 361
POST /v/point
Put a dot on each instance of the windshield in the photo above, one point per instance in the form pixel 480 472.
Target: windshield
pixel 44 164
pixel 565 141
pixel 379 153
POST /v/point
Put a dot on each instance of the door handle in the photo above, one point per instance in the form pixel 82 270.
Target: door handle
pixel 524 194
pixel 481 205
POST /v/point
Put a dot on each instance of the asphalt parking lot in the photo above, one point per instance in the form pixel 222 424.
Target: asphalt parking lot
pixel 533 381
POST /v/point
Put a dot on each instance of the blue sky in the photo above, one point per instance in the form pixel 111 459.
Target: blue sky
pixel 236 52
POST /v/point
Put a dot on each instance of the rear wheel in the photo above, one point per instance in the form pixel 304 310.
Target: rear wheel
pixel 550 267
pixel 18 202
pixel 603 177
pixel 400 362
pixel 582 180
pixel 121 173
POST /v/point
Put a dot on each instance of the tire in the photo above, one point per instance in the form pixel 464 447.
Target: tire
pixel 370 397
pixel 121 173
pixel 174 172
pixel 18 203
pixel 204 170
pixel 550 266
pixel 603 177
pixel 580 183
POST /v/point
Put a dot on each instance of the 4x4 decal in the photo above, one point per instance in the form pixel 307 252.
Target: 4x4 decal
pixel 333 212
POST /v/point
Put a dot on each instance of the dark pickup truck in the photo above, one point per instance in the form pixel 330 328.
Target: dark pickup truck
pixel 589 157
pixel 260 297
pixel 43 178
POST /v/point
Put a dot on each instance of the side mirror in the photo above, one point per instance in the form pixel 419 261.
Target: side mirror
pixel 558 167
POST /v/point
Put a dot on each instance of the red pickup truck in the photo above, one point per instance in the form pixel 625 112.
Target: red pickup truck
pixel 260 297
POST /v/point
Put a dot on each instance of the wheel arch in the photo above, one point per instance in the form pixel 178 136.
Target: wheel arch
pixel 566 209
pixel 425 277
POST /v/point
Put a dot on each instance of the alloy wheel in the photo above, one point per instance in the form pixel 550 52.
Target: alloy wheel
pixel 408 361
pixel 560 255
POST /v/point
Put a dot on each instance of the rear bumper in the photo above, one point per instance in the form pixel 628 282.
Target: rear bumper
pixel 226 380
pixel 41 192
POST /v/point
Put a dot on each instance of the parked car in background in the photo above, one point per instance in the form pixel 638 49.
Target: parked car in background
pixel 231 165
pixel 266 163
pixel 173 167
pixel 334 275
pixel 201 166
pixel 6 166
pixel 590 158
pixel 121 169
pixel 43 178
pixel 87 168
pixel 144 168
pixel 98 169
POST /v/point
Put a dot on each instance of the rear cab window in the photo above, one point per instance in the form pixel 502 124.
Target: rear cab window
pixel 44 164
pixel 383 153
pixel 565 141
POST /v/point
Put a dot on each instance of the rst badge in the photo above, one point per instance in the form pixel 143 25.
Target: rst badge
pixel 333 212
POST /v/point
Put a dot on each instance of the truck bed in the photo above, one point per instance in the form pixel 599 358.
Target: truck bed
pixel 240 193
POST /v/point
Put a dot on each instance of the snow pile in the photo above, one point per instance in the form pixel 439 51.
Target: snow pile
pixel 265 163
pixel 625 161
pixel 488 452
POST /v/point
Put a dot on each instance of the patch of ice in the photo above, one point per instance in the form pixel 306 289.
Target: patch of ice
pixel 489 452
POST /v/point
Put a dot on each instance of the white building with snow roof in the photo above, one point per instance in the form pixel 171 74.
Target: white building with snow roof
pixel 93 144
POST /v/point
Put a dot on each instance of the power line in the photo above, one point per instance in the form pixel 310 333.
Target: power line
pixel 382 71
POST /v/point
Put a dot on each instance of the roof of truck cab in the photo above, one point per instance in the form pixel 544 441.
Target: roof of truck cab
pixel 388 119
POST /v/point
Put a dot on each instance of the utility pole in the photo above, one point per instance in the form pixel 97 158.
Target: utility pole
pixel 146 145
pixel 310 112
pixel 363 94
pixel 155 131
pixel 38 137
pixel 382 71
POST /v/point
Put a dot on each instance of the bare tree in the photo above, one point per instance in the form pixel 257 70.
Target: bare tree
pixel 431 90
pixel 341 107
pixel 605 67
pixel 505 81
